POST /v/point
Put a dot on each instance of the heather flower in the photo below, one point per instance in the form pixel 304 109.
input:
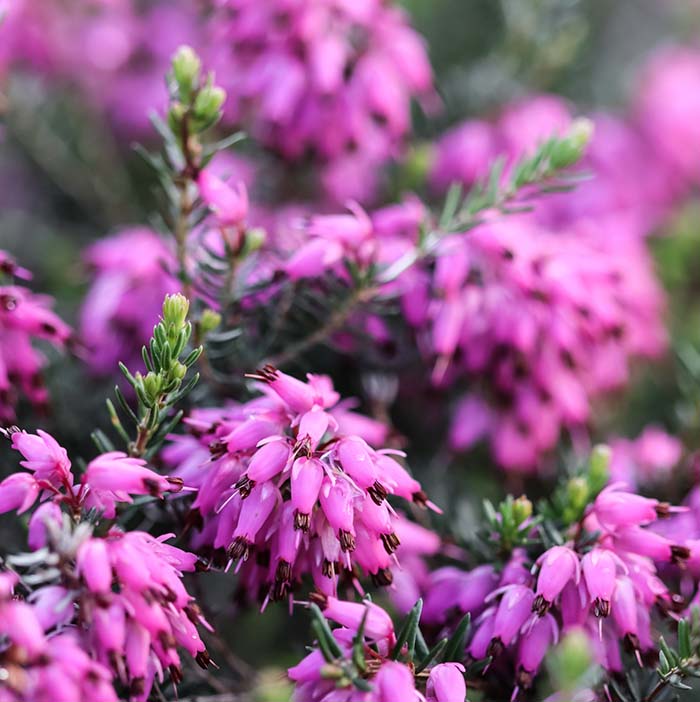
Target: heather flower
pixel 647 459
pixel 115 53
pixel 229 204
pixel 605 585
pixel 132 274
pixel 122 599
pixel 542 370
pixel 345 98
pixel 446 683
pixel 283 492
pixel 667 99
pixel 25 318
pixel 109 479
pixel 384 679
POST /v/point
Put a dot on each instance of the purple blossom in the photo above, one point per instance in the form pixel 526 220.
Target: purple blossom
pixel 276 476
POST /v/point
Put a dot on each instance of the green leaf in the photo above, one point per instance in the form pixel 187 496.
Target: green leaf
pixel 684 646
pixel 457 643
pixel 434 653
pixel 407 635
pixel 325 632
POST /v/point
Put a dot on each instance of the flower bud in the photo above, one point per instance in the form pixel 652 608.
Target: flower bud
pixel 186 67
pixel 175 308
pixel 209 321
pixel 207 106
pixel 522 510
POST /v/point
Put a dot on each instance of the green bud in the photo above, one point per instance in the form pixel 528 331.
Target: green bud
pixel 175 308
pixel 599 468
pixel 577 493
pixel 178 370
pixel 152 385
pixel 571 148
pixel 570 660
pixel 522 510
pixel 186 67
pixel 272 685
pixel 176 114
pixel 581 133
pixel 207 106
pixel 329 671
pixel 254 239
pixel 209 321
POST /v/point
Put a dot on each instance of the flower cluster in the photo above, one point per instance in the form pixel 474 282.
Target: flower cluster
pixel 133 271
pixel 108 480
pixel 289 483
pixel 24 319
pixel 357 662
pixel 330 77
pixel 645 460
pixel 118 596
pixel 605 582
pixel 115 52
pixel 540 322
pixel 621 185
pixel 40 667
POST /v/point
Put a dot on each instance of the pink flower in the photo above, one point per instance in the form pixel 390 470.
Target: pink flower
pixel 18 492
pixel 132 275
pixel 533 647
pixel 558 566
pixel 230 205
pixel 599 567
pixel 113 477
pixel 446 683
pixel 394 681
pixel 378 624
pixel 513 611
pixel 286 482
pixel 345 99
pixel 44 456
pixel 616 508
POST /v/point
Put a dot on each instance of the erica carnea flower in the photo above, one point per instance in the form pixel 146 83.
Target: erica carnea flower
pixel 330 78
pixel 118 609
pixel 605 584
pixel 645 460
pixel 283 491
pixel 538 372
pixel 115 53
pixel 132 275
pixel 109 479
pixel 39 665
pixel 359 662
pixel 25 319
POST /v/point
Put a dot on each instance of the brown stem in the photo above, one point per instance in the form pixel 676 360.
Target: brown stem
pixel 335 321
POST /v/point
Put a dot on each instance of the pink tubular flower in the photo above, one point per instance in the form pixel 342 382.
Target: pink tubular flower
pixel 18 492
pixel 230 205
pixel 44 457
pixel 24 319
pixel 378 624
pixel 131 278
pixel 616 508
pixel 345 98
pixel 599 568
pixel 513 611
pixel 533 646
pixel 394 681
pixel 446 683
pixel 276 476
pixel 558 566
